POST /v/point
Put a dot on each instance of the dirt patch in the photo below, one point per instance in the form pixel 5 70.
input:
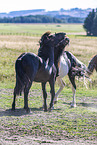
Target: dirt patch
pixel 40 140
pixel 64 125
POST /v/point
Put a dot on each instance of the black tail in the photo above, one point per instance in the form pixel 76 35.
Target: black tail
pixel 21 77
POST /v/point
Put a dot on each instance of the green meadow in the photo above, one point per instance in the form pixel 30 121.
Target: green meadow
pixel 38 29
pixel 64 124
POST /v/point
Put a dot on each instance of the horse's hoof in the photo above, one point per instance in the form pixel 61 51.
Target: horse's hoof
pixel 45 110
pixel 73 105
pixel 52 108
pixel 41 108
pixel 49 109
pixel 12 109
pixel 55 102
pixel 27 110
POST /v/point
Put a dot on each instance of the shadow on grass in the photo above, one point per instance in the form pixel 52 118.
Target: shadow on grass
pixel 89 105
pixel 83 104
pixel 20 111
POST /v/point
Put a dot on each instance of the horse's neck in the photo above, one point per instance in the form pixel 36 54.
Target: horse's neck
pixel 91 67
pixel 95 63
pixel 57 55
pixel 92 64
pixel 78 62
pixel 67 60
pixel 72 57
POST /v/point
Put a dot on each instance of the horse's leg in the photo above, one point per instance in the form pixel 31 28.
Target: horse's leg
pixel 13 104
pixel 52 91
pixel 62 84
pixel 72 80
pixel 44 96
pixel 26 92
pixel 73 104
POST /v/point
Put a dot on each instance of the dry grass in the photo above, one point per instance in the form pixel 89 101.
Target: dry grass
pixel 24 43
pixel 84 48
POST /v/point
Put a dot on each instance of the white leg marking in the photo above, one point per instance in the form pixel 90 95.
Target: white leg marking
pixel 61 83
pixel 73 104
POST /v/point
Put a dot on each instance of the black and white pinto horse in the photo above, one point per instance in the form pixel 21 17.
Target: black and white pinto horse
pixel 71 66
pixel 31 67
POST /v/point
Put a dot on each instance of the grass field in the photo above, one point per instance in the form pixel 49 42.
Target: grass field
pixel 38 29
pixel 64 125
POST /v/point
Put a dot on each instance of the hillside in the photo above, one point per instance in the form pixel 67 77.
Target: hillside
pixel 74 12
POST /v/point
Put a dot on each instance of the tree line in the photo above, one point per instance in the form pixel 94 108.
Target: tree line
pixel 41 19
pixel 90 23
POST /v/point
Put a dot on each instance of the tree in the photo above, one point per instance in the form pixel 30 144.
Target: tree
pixel 88 23
pixel 94 26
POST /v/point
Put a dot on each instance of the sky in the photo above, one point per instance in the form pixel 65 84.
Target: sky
pixel 48 5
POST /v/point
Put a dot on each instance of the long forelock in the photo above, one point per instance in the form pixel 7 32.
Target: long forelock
pixel 46 34
pixel 44 37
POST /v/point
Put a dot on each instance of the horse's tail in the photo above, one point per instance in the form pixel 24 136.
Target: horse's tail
pixel 21 77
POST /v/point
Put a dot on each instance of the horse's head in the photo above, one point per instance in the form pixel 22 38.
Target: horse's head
pixel 56 41
pixel 60 41
pixel 60 38
pixel 55 38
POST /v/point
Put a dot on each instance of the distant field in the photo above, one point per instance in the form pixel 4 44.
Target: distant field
pixel 39 29
pixel 64 125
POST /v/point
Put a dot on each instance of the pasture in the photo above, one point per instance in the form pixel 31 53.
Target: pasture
pixel 64 125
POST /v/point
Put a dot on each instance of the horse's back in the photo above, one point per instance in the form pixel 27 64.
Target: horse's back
pixel 28 63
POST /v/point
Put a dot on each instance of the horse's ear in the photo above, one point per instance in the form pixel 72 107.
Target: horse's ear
pixel 46 34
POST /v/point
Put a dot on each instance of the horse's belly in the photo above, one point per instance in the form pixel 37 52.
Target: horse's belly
pixel 63 68
pixel 42 75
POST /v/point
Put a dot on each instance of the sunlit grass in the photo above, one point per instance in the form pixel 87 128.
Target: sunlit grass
pixel 39 29
pixel 84 48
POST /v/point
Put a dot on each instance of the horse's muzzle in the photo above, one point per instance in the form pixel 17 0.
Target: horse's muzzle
pixel 67 40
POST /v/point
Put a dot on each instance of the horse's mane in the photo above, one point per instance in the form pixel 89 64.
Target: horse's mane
pixel 44 37
pixel 46 46
pixel 76 66
pixel 73 59
pixel 46 34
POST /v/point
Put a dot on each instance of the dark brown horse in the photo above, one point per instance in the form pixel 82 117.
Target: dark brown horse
pixel 31 67
pixel 92 65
